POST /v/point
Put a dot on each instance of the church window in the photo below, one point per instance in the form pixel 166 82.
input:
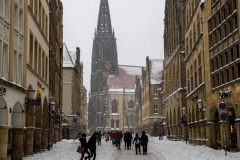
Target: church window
pixel 114 106
pixel 131 104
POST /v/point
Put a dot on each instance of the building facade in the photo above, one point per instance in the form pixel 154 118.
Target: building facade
pixel 37 75
pixel 195 67
pixel 174 68
pixel 13 82
pixel 221 44
pixel 211 71
pixel 104 62
pixel 152 113
pixel 72 86
pixel 120 102
pixel 56 63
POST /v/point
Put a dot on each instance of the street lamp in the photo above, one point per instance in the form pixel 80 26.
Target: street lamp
pixel 200 106
pixel 184 122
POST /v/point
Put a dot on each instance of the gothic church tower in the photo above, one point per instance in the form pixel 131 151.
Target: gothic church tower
pixel 104 62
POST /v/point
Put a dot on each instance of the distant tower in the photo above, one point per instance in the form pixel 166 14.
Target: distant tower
pixel 104 62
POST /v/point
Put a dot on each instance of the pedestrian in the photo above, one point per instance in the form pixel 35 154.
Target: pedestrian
pixel 99 138
pixel 92 145
pixel 137 140
pixel 128 140
pixel 160 135
pixel 124 139
pixel 118 138
pixel 84 145
pixel 106 136
pixel 144 142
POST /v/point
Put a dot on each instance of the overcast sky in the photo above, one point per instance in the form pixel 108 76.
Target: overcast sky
pixel 138 26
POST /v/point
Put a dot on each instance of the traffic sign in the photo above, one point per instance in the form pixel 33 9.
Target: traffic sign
pixel 223 116
pixel 222 105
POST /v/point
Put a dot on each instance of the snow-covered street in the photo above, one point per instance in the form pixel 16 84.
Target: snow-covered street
pixel 157 150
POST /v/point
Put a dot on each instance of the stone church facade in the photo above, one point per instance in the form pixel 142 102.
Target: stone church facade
pixel 111 104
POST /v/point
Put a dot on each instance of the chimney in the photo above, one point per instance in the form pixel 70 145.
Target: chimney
pixel 78 54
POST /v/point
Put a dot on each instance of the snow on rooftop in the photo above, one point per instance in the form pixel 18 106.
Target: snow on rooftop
pixel 131 70
pixel 125 79
pixel 69 57
pixel 156 68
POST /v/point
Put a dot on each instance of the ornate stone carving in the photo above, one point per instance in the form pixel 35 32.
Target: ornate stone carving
pixel 6 33
pixel 20 44
pixel 15 41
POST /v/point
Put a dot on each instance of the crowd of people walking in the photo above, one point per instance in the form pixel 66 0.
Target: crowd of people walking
pixel 116 138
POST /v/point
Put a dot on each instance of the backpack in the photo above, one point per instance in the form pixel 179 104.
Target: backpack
pixel 137 141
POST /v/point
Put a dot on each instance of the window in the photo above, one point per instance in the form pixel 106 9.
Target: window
pixel 4 62
pixel 46 67
pixel 117 123
pixel 155 109
pixel 112 123
pixel 114 106
pixel 17 77
pixel 6 9
pixel 43 64
pixel 16 17
pixel 21 22
pixel 39 59
pixel 35 54
pixel 35 8
pixel 31 4
pixel 155 94
pixel 31 50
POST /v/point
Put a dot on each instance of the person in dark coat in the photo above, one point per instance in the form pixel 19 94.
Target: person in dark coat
pixel 124 139
pixel 84 145
pixel 99 138
pixel 137 141
pixel 128 140
pixel 144 141
pixel 92 145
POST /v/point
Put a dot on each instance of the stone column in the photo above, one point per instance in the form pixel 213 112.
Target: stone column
pixel 198 135
pixel 210 135
pixel 171 132
pixel 28 149
pixel 227 138
pixel 37 135
pixel 56 136
pixel 193 134
pixel 179 127
pixel 17 143
pixel 3 142
pixel 190 134
pixel 203 134
pixel 60 134
pixel 44 138
pixel 237 125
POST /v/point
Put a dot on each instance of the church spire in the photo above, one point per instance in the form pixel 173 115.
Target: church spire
pixel 104 20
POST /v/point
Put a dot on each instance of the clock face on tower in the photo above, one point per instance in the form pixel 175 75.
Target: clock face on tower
pixel 108 66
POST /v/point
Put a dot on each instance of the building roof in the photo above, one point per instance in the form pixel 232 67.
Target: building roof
pixel 155 68
pixel 125 79
pixel 69 57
